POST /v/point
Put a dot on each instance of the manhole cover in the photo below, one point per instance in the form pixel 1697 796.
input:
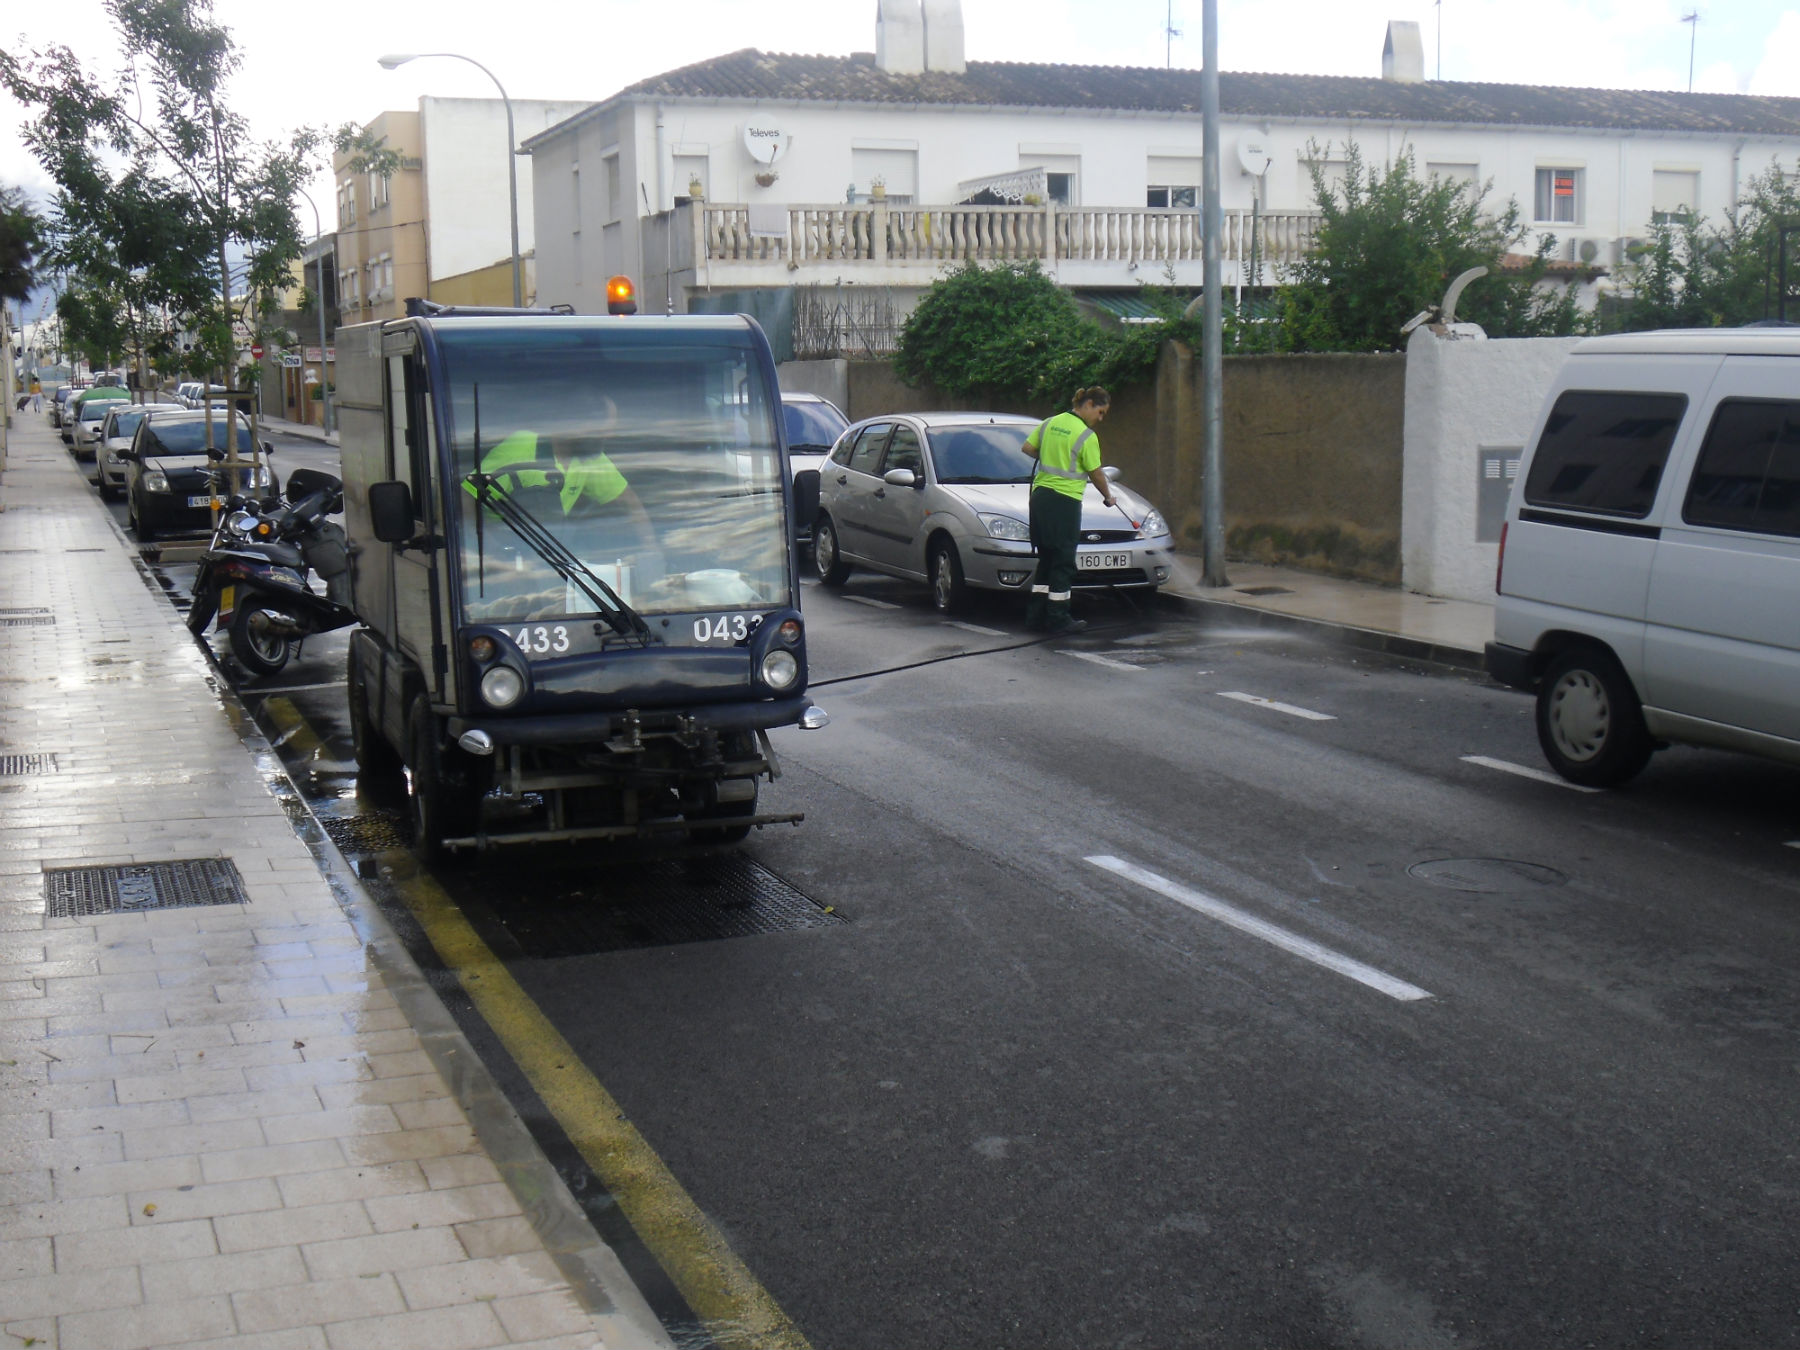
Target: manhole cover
pixel 82 892
pixel 662 903
pixel 12 765
pixel 1486 876
pixel 368 831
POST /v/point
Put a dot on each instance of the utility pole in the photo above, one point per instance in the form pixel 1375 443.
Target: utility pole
pixel 1170 33
pixel 1439 6
pixel 1692 20
pixel 1212 519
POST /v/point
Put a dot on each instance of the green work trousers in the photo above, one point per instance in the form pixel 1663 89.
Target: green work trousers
pixel 1055 530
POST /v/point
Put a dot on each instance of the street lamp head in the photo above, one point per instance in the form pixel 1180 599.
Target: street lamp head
pixel 390 61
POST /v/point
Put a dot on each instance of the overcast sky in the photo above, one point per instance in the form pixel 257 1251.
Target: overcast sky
pixel 314 63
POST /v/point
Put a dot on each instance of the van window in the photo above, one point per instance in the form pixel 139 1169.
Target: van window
pixel 1748 477
pixel 1604 452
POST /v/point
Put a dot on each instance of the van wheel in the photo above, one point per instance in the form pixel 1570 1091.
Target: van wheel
pixel 832 569
pixel 444 788
pixel 373 754
pixel 1589 721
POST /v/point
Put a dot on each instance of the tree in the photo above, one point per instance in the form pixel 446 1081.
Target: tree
pixel 159 187
pixel 21 237
pixel 1388 245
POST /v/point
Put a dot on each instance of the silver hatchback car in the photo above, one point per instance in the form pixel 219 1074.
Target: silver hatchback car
pixel 944 498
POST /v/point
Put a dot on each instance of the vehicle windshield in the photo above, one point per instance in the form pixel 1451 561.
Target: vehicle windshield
pixel 988 453
pixel 96 408
pixel 124 423
pixel 169 437
pixel 649 453
pixel 812 426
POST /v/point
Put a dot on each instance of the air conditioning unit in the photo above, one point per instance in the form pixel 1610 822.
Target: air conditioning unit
pixel 1629 249
pixel 1587 250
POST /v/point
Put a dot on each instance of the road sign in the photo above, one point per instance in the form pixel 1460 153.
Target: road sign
pixel 257 351
pixel 291 360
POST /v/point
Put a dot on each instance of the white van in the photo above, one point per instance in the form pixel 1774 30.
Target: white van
pixel 1649 581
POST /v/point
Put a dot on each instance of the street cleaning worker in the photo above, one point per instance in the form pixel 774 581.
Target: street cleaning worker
pixel 1067 450
pixel 590 479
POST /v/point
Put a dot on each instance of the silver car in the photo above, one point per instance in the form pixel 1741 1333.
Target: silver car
pixel 944 498
pixel 115 435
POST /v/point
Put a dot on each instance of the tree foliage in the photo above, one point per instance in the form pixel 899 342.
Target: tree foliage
pixel 167 212
pixel 21 237
pixel 1692 274
pixel 1386 248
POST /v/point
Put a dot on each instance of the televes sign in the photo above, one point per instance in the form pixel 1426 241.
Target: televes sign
pixel 765 143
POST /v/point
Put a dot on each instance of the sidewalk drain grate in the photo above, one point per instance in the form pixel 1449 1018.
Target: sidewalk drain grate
pixel 82 892
pixel 13 765
pixel 1263 590
pixel 26 620
pixel 663 903
pixel 23 609
pixel 84 550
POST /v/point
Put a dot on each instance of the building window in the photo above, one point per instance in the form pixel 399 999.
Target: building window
pixel 1674 193
pixel 615 207
pixel 347 202
pixel 1465 174
pixel 1333 171
pixel 1173 181
pixel 378 192
pixel 1557 200
pixel 691 169
pixel 898 171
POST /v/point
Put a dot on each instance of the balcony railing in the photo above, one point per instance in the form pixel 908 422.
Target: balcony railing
pixel 877 233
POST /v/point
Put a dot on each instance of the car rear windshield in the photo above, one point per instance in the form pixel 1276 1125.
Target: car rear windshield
pixel 189 438
pixel 981 454
pixel 1604 452
pixel 814 425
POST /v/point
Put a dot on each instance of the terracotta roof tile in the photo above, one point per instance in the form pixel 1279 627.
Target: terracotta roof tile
pixel 755 75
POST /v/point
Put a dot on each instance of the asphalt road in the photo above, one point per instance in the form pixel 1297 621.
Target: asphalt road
pixel 1189 987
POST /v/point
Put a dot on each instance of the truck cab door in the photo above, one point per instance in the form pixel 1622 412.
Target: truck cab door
pixel 419 573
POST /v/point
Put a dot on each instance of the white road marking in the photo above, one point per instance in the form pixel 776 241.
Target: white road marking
pixel 1291 942
pixel 1100 660
pixel 290 689
pixel 974 628
pixel 872 601
pixel 1287 708
pixel 1793 843
pixel 1536 775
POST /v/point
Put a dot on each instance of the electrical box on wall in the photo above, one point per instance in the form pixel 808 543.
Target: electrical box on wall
pixel 1496 467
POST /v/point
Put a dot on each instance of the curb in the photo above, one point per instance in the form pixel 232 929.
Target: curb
pixel 1344 634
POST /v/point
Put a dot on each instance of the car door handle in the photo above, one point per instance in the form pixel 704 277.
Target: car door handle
pixel 881 492
pixel 842 479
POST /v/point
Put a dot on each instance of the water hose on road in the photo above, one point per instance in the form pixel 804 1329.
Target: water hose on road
pixel 953 656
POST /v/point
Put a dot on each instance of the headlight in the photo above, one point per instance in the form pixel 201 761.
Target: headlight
pixel 1005 527
pixel 1153 524
pixel 155 481
pixel 241 522
pixel 501 687
pixel 264 478
pixel 780 669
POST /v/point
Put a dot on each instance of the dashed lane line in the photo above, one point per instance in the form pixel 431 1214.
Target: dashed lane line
pixel 1275 935
pixel 1258 701
pixel 872 602
pixel 975 628
pixel 1522 771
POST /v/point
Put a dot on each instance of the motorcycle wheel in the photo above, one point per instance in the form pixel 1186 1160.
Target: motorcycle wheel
pixel 260 653
pixel 201 612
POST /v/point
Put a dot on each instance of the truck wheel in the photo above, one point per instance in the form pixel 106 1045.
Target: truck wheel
pixel 443 790
pixel 832 570
pixel 1589 721
pixel 373 754
pixel 260 653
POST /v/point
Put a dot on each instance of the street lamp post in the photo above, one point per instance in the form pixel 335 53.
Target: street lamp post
pixel 324 371
pixel 392 62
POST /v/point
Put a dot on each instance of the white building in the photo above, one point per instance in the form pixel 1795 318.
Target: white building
pixel 861 169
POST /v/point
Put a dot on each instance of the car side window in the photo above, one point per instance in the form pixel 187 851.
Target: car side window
pixel 903 451
pixel 1604 452
pixel 840 453
pixel 1748 475
pixel 867 455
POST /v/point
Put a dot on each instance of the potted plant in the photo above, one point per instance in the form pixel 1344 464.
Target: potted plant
pixel 696 189
pixel 878 188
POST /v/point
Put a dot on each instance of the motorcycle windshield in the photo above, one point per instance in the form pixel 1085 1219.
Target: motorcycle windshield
pixel 649 453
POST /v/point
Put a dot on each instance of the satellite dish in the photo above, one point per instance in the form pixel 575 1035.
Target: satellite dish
pixel 1254 159
pixel 765 141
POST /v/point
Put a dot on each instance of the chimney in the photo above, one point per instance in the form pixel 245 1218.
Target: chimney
pixel 900 37
pixel 1403 57
pixel 944 36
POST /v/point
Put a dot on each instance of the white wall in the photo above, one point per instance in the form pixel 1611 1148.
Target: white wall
pixel 1461 397
pixel 463 141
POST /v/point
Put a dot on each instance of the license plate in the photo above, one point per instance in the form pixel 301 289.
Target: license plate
pixel 205 501
pixel 1101 562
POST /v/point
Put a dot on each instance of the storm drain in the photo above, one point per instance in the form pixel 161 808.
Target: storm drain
pixel 23 609
pixel 662 904
pixel 368 831
pixel 26 620
pixel 1486 876
pixel 11 766
pixel 82 892
pixel 1263 590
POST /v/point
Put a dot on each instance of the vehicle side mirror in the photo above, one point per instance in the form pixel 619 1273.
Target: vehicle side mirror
pixel 902 478
pixel 391 511
pixel 130 456
pixel 268 447
pixel 1112 473
pixel 215 454
pixel 806 496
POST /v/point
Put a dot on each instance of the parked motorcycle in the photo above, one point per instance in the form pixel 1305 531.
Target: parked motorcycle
pixel 253 575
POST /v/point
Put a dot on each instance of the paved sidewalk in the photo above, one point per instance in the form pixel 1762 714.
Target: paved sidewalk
pixel 1451 632
pixel 227 1123
pixel 305 429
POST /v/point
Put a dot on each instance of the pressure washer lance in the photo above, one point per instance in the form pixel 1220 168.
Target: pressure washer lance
pixel 1136 525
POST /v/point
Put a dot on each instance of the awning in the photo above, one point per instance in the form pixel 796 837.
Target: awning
pixel 1012 187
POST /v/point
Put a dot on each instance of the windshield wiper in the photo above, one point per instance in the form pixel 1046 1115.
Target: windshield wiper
pixel 621 617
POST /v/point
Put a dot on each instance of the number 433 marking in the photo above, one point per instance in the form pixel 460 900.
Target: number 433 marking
pixel 543 638
pixel 725 628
